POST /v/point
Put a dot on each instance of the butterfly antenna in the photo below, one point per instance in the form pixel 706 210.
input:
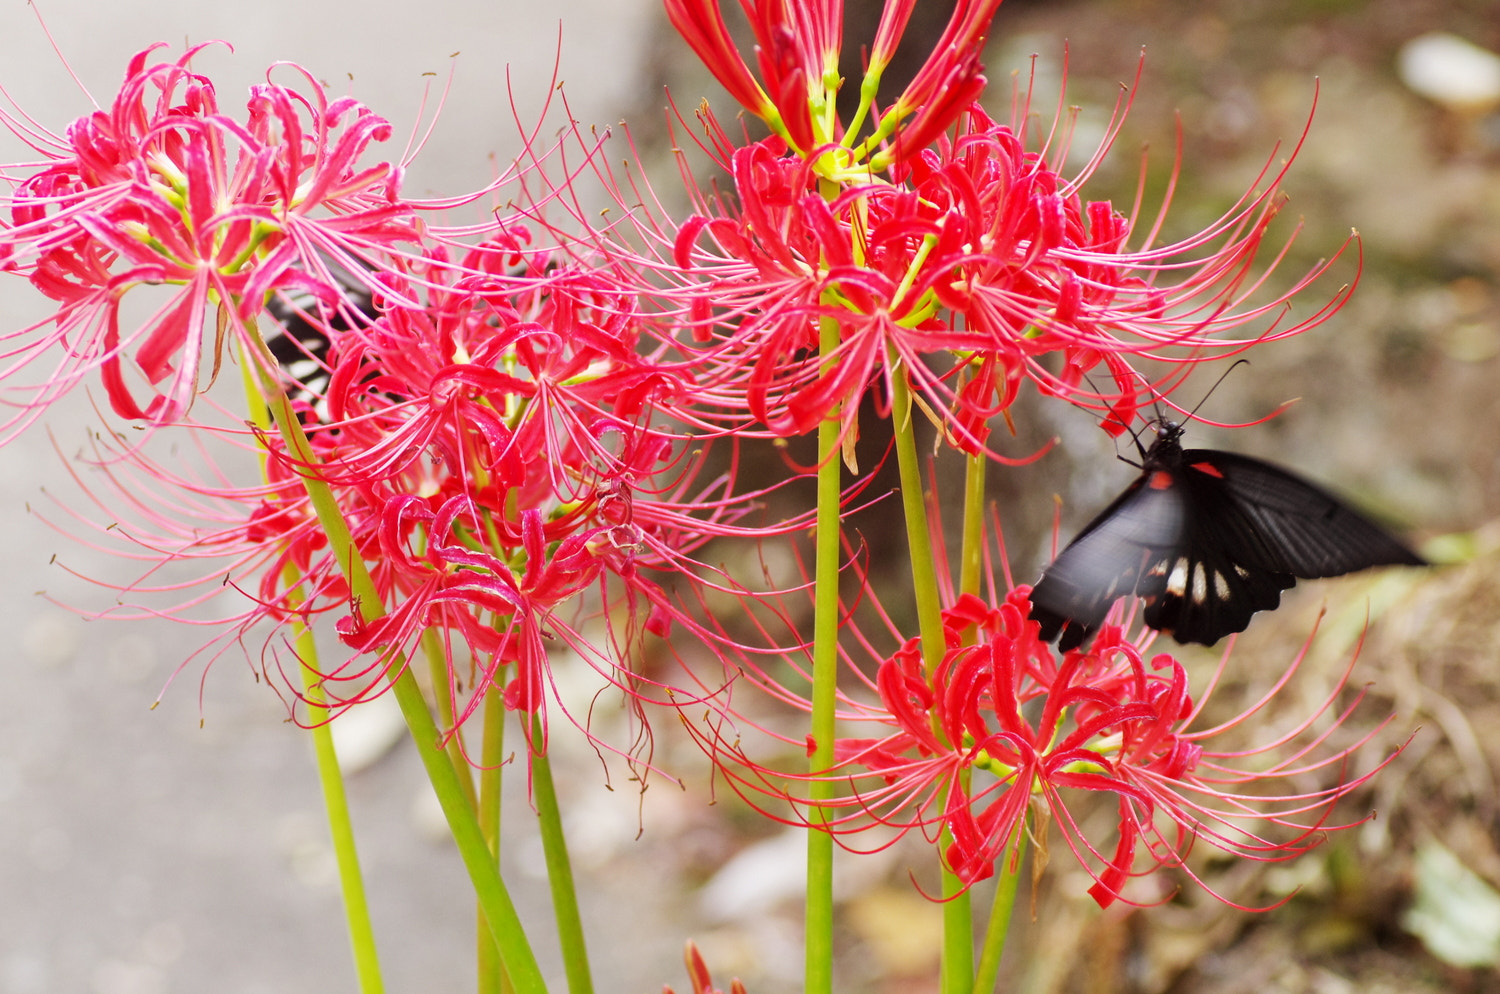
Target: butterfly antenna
pixel 1222 377
pixel 1134 435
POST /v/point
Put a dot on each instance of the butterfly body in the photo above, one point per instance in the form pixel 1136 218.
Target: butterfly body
pixel 1206 539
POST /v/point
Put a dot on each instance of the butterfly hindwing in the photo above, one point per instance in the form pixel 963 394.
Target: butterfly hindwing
pixel 1203 595
pixel 1206 539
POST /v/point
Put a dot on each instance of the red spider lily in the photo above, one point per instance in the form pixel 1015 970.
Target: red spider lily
pixel 975 267
pixel 797 49
pixel 463 402
pixel 967 264
pixel 1003 728
pixel 452 584
pixel 535 384
pixel 484 503
pixel 699 977
pixel 164 189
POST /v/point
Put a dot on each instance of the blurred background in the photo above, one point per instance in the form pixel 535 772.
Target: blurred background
pixel 183 849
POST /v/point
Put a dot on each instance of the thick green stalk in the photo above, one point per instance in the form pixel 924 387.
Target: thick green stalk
pixel 918 534
pixel 559 871
pixel 330 777
pixel 491 759
pixel 486 956
pixel 958 916
pixel 442 692
pixel 971 574
pixel 484 872
pixel 1005 902
pixel 818 934
pixel 494 898
pixel 340 825
pixel 971 561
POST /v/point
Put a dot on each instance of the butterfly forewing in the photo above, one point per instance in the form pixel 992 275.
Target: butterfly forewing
pixel 1294 526
pixel 1137 536
pixel 1206 539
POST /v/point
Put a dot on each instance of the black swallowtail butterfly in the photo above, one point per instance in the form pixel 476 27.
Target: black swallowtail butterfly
pixel 1205 539
pixel 302 343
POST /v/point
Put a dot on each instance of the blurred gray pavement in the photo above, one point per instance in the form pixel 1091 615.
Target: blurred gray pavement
pixel 139 852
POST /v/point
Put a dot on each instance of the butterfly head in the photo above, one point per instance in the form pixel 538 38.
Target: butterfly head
pixel 1167 433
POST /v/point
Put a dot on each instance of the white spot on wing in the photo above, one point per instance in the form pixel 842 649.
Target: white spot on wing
pixel 1177 578
pixel 1200 586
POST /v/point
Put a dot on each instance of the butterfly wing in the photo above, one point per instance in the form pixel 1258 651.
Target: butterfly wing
pixel 1283 523
pixel 309 325
pixel 1206 539
pixel 1130 539
pixel 1222 572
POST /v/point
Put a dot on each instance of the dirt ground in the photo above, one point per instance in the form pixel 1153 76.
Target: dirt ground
pixel 1396 405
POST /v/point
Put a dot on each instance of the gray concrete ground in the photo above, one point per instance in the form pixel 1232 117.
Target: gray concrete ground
pixel 139 852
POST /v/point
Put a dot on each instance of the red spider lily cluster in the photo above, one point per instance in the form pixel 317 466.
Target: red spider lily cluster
pixel 1007 735
pixel 940 243
pixel 492 445
pixel 512 425
pixel 488 423
pixel 162 188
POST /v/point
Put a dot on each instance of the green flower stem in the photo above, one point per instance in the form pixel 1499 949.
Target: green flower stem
pixel 971 556
pixel 559 871
pixel 340 825
pixel 484 872
pixel 918 535
pixel 330 778
pixel 958 915
pixel 442 692
pixel 970 577
pixel 1005 902
pixel 818 934
pixel 492 978
pixel 486 956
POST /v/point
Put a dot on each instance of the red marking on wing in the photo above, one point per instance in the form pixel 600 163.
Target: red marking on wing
pixel 1160 480
pixel 1207 467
